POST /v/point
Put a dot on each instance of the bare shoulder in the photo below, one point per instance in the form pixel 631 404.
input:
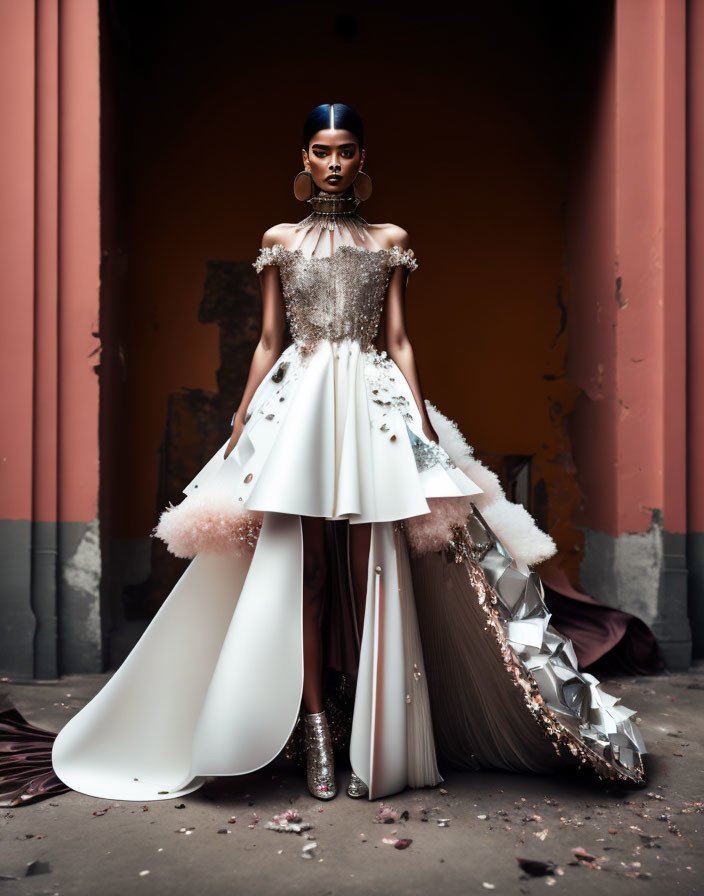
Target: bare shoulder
pixel 389 235
pixel 278 234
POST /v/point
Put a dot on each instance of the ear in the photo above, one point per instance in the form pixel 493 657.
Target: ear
pixel 361 160
pixel 306 160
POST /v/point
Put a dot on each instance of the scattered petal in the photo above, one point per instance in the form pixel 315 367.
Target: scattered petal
pixel 397 842
pixel 288 822
pixel 387 815
pixel 308 850
pixel 541 835
pixel 291 827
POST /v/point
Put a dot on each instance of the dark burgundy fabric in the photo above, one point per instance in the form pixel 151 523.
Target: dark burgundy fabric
pixel 26 772
pixel 604 638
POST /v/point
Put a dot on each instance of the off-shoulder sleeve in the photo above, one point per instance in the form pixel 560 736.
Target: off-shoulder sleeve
pixel 266 255
pixel 405 257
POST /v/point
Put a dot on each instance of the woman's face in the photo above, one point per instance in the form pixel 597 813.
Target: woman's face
pixel 333 159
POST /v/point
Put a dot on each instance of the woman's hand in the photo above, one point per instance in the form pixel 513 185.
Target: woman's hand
pixel 429 432
pixel 234 438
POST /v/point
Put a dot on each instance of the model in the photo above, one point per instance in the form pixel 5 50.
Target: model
pixel 430 598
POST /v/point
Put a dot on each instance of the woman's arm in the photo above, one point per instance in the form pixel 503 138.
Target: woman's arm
pixel 398 345
pixel 271 338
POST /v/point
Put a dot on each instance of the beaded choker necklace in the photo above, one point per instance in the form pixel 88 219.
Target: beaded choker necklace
pixel 333 203
pixel 331 210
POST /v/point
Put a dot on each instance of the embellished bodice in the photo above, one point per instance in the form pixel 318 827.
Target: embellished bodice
pixel 335 296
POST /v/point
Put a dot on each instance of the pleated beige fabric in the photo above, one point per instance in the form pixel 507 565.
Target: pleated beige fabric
pixel 479 715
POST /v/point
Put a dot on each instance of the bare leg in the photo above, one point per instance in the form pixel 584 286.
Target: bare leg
pixel 360 537
pixel 314 576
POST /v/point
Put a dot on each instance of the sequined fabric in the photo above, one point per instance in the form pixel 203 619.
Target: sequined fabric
pixel 321 760
pixel 356 787
pixel 337 296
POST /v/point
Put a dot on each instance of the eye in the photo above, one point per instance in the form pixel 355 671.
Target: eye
pixel 319 153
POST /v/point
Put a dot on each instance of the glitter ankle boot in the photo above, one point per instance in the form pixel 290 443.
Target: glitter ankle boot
pixel 321 765
pixel 356 787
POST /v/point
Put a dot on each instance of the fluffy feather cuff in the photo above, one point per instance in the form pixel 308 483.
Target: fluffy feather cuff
pixel 208 523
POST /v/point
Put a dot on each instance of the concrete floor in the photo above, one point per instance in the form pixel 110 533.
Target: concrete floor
pixel 642 840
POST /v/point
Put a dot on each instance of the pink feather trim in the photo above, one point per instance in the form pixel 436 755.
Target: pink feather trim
pixel 431 531
pixel 208 523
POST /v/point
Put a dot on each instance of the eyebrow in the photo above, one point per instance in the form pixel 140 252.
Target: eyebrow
pixel 326 146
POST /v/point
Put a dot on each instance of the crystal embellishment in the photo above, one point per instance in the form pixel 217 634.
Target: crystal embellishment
pixel 428 454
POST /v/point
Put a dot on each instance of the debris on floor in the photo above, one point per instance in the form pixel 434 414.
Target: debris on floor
pixel 288 822
pixel 397 842
pixel 536 868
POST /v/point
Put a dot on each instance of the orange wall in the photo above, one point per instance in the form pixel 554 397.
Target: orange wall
pixel 695 184
pixel 464 145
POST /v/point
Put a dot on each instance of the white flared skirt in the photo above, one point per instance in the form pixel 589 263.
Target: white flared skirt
pixel 214 685
pixel 333 433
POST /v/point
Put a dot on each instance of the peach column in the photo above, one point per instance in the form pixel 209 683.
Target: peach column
pixel 627 252
pixel 80 641
pixel 695 441
pixel 50 281
pixel 17 76
pixel 79 260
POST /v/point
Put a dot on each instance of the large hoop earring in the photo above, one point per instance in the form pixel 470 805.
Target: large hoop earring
pixel 362 186
pixel 303 185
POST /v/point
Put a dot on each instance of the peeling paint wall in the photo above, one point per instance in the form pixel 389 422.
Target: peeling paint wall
pixel 644 573
pixel 80 629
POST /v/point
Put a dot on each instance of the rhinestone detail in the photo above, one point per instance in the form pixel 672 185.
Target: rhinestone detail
pixel 356 787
